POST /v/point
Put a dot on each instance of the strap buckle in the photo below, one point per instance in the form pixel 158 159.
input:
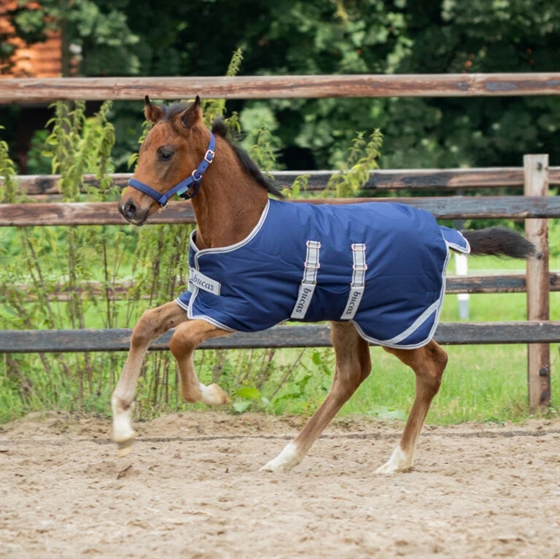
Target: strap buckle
pixel 313 266
pixel 195 178
pixel 209 156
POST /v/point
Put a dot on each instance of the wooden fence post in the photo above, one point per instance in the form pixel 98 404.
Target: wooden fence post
pixel 536 184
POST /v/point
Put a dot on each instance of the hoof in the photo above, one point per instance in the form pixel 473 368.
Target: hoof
pixel 387 469
pixel 213 395
pixel 274 468
pixel 285 461
pixel 124 448
pixel 399 462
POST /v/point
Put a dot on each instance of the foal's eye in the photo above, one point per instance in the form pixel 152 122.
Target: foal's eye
pixel 166 155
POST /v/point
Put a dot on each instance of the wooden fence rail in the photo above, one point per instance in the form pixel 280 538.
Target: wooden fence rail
pixel 281 87
pixel 106 213
pixel 118 339
pixel 414 179
pixel 510 283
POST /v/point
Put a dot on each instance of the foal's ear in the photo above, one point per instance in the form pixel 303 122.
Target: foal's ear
pixel 152 112
pixel 192 115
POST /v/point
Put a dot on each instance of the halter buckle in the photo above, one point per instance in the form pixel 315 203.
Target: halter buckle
pixel 209 156
pixel 195 178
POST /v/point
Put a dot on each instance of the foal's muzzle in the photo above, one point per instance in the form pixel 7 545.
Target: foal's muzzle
pixel 132 213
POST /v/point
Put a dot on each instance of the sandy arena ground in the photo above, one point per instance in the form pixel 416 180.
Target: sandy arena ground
pixel 192 488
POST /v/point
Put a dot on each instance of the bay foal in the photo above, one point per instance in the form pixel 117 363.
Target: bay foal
pixel 229 195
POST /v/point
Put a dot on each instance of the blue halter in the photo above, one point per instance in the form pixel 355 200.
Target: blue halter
pixel 182 188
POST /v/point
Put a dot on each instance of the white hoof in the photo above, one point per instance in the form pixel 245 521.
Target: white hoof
pixel 399 462
pixel 285 461
pixel 213 395
pixel 124 448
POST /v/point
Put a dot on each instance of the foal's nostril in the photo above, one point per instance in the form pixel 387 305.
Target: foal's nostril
pixel 129 209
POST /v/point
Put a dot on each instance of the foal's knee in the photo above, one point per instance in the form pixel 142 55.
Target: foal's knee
pixel 144 331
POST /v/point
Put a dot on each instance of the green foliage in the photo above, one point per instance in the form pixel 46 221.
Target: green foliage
pixel 316 37
pixel 98 30
pixel 38 162
pixel 363 157
pixel 554 241
pixel 298 187
pixel 65 260
pixel 263 151
pixel 213 108
pixel 77 145
pixel 249 395
pixel 133 159
pixel 8 186
pixel 62 146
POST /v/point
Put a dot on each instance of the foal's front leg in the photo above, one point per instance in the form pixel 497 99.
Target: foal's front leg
pixel 151 326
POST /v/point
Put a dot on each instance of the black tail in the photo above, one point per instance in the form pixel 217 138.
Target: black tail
pixel 497 241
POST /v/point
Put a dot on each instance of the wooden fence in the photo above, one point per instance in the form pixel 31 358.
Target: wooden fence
pixel 281 87
pixel 535 206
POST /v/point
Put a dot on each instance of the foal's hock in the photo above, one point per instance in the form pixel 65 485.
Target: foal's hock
pixel 376 271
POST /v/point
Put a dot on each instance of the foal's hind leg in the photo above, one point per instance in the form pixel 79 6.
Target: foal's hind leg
pixel 353 365
pixel 428 363
pixel 151 326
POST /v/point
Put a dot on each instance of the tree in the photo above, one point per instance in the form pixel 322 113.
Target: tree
pixel 371 36
pixel 164 37
pixel 97 30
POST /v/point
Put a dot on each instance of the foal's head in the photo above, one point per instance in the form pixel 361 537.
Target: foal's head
pixel 173 148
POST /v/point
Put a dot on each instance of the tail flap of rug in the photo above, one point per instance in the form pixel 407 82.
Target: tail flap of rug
pixel 455 240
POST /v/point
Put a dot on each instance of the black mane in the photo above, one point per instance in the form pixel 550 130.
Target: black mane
pixel 220 128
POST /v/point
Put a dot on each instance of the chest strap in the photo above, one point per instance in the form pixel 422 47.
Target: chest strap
pixel 358 284
pixel 309 281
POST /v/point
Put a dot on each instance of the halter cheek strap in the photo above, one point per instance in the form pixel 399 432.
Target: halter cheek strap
pixel 181 188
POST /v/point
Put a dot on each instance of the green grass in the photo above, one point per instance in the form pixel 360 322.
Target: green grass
pixel 481 383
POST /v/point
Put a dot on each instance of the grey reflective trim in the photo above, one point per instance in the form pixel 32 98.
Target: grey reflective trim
pixel 357 286
pixel 309 281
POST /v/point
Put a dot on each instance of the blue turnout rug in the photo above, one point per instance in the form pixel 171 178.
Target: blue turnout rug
pixel 380 265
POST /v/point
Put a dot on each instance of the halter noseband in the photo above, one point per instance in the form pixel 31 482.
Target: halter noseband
pixel 184 185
